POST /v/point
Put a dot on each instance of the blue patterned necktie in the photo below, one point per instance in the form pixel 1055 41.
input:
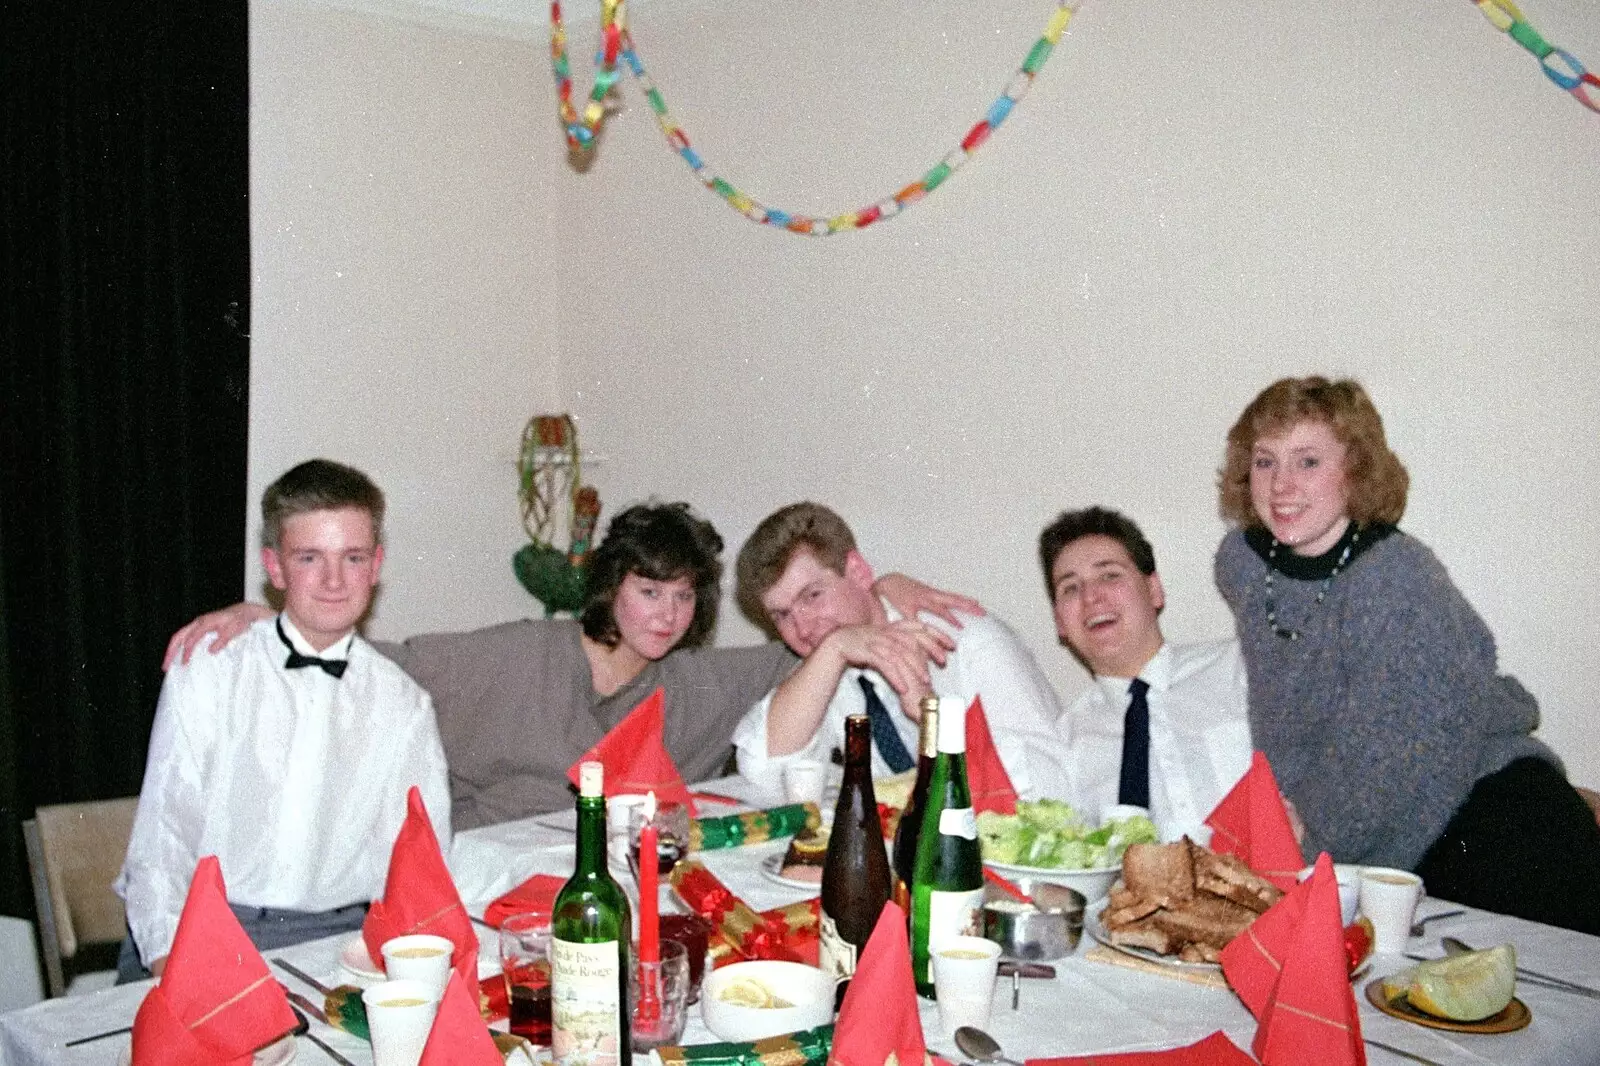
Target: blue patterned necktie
pixel 1134 784
pixel 885 737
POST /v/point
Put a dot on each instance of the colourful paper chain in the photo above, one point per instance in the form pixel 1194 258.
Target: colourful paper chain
pixel 1561 66
pixel 581 133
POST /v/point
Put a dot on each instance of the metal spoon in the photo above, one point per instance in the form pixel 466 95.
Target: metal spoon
pixel 977 1044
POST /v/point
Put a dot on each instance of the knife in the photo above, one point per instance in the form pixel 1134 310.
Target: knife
pixel 98 1036
pixel 295 971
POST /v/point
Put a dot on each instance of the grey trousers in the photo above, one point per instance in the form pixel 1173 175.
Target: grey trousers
pixel 267 927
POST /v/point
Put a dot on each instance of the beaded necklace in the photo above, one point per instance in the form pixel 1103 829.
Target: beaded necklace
pixel 1322 593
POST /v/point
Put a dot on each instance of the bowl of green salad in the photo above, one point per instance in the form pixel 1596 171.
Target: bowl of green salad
pixel 1048 840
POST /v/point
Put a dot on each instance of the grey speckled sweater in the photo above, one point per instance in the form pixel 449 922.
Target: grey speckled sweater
pixel 1380 719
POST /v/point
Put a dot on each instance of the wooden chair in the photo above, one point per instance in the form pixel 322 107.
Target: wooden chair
pixel 75 851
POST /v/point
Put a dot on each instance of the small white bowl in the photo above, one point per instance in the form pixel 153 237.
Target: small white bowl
pixel 808 988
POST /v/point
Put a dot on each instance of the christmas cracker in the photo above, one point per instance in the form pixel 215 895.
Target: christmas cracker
pixel 752 827
pixel 808 1048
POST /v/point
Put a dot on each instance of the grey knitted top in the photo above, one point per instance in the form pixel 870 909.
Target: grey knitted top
pixel 1379 719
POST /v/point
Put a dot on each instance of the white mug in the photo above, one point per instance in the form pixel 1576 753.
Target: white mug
pixel 1389 901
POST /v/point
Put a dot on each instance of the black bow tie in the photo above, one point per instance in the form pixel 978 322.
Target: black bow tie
pixel 332 667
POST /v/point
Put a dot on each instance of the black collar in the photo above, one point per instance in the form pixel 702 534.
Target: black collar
pixel 1315 567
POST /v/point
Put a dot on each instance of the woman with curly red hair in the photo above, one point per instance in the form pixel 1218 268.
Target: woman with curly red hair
pixel 1374 686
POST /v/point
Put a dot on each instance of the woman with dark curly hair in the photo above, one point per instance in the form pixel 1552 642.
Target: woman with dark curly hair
pixel 1374 688
pixel 652 586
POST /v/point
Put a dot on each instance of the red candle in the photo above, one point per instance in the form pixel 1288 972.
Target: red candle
pixel 649 894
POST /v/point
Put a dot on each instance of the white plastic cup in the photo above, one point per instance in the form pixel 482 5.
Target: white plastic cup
pixel 1389 901
pixel 804 781
pixel 619 809
pixel 399 1016
pixel 964 969
pixel 419 957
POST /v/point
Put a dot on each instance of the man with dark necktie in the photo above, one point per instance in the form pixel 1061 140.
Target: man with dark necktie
pixel 287 754
pixel 1163 726
pixel 801 575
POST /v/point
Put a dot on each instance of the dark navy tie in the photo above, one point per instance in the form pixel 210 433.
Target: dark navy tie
pixel 885 737
pixel 332 667
pixel 1134 784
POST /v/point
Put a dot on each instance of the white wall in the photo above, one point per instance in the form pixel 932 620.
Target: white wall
pixel 1190 204
pixel 403 288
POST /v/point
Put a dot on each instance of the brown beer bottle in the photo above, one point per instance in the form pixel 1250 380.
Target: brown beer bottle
pixel 905 835
pixel 855 873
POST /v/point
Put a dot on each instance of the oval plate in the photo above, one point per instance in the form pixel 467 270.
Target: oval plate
pixel 1515 1016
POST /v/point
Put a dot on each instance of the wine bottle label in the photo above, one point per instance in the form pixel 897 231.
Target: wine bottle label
pixel 585 1003
pixel 953 914
pixel 958 822
pixel 837 956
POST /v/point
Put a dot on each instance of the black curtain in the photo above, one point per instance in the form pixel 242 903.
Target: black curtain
pixel 124 370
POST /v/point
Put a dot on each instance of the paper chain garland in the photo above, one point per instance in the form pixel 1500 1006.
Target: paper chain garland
pixel 1561 66
pixel 616 40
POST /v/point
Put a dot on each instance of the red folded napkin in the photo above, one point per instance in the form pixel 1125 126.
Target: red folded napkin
pixel 1253 960
pixel 1310 1013
pixel 217 1002
pixel 1214 1050
pixel 1251 823
pixel 879 1012
pixel 459 1036
pixel 986 775
pixel 635 756
pixel 420 897
pixel 537 893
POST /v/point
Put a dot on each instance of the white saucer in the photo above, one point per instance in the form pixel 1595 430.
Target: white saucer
pixel 362 971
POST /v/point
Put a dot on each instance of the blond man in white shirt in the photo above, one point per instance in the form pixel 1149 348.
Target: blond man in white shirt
pixel 289 753
pixel 800 571
pixel 1100 572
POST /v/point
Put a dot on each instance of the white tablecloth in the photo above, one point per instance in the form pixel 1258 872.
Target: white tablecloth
pixel 1089 1006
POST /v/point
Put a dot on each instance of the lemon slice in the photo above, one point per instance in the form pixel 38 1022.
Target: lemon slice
pixel 746 992
pixel 1467 987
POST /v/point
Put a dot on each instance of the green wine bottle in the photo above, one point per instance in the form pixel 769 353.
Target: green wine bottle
pixel 947 885
pixel 909 831
pixel 591 929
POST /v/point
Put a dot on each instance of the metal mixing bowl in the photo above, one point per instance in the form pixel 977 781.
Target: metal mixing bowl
pixel 1050 929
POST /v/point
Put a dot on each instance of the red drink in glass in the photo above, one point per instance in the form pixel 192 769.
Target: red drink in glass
pixel 694 933
pixel 528 990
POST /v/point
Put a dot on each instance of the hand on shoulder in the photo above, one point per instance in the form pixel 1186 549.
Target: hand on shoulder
pixel 225 624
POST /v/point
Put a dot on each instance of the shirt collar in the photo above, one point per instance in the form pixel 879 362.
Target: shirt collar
pixel 339 649
pixel 1157 673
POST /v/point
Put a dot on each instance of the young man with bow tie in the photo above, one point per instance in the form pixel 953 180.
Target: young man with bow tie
pixel 1163 726
pixel 287 754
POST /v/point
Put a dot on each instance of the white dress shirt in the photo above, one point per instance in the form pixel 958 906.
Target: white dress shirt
pixel 1199 736
pixel 988 661
pixel 294 779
